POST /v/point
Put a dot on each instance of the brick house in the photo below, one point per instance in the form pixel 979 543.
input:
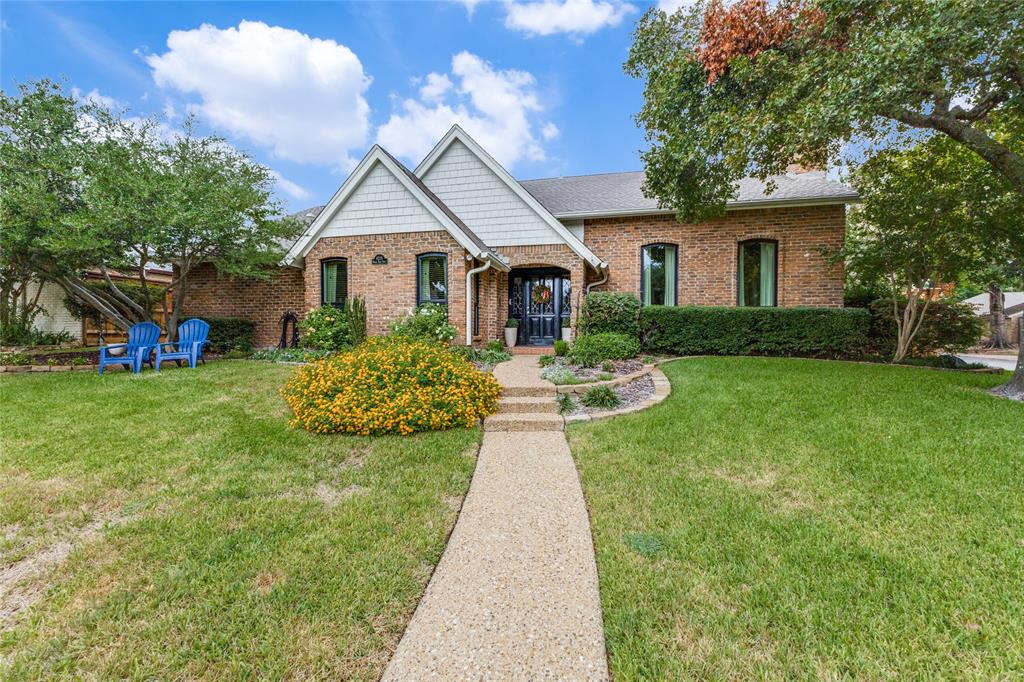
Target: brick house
pixel 459 230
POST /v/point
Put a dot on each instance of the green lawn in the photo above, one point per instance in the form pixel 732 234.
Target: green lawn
pixel 779 518
pixel 207 538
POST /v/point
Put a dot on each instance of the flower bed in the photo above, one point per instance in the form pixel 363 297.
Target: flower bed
pixel 561 371
pixel 391 385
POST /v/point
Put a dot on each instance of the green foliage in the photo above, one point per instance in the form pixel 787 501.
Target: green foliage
pixel 608 366
pixel 79 309
pixel 561 347
pixel 870 71
pixel 326 328
pixel 230 333
pixel 593 349
pixel 561 376
pixel 484 356
pixel 601 396
pixel 715 330
pixel 496 346
pixel 16 359
pixel 609 312
pixel 428 322
pixel 566 403
pixel 545 360
pixel 511 323
pixel 85 188
pixel 947 327
pixel 290 354
pixel 18 335
pixel 355 312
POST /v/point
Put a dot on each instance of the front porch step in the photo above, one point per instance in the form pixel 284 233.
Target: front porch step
pixel 532 421
pixel 539 391
pixel 527 404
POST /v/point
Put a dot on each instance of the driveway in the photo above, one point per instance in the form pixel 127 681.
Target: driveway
pixel 1007 362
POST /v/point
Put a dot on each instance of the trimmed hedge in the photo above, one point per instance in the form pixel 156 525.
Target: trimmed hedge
pixel 719 330
pixel 229 333
pixel 609 312
pixel 592 349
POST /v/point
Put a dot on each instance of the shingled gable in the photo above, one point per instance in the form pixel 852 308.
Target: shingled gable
pixel 457 134
pixel 444 216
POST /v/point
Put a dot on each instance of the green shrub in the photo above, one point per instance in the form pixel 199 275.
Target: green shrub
pixel 601 396
pixel 561 347
pixel 608 366
pixel 21 335
pixel 428 322
pixel 511 323
pixel 326 328
pixel 391 385
pixel 230 333
pixel 545 360
pixel 17 359
pixel 593 349
pixel 609 312
pixel 566 403
pixel 355 312
pixel 947 327
pixel 716 330
pixel 497 346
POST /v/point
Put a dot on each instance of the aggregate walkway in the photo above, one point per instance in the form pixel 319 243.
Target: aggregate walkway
pixel 515 594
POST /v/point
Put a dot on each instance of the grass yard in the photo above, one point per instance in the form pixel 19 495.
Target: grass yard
pixel 779 518
pixel 173 526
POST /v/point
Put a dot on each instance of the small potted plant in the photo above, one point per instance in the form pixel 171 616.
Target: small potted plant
pixel 511 332
pixel 566 330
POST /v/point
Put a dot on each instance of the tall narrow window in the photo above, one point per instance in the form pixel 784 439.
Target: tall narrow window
pixel 658 274
pixel 333 281
pixel 757 273
pixel 432 278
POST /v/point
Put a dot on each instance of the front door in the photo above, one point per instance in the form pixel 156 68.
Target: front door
pixel 536 300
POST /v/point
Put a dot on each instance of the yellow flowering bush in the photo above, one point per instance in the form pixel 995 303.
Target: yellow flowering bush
pixel 391 385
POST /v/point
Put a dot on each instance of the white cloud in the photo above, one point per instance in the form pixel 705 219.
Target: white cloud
pixel 550 131
pixel 437 85
pixel 575 17
pixel 301 97
pixel 498 108
pixel 670 6
pixel 95 98
pixel 292 189
pixel 470 5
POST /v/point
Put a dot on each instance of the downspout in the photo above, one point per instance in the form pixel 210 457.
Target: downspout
pixel 600 281
pixel 469 299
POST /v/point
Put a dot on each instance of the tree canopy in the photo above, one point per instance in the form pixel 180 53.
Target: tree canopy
pixel 749 89
pixel 88 189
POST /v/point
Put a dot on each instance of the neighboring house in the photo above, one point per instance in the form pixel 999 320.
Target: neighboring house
pixel 459 229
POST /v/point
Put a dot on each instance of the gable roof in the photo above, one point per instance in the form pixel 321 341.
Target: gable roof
pixel 456 133
pixel 377 155
pixel 606 194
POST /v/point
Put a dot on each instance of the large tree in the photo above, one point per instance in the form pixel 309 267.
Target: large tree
pixel 931 214
pixel 128 193
pixel 750 88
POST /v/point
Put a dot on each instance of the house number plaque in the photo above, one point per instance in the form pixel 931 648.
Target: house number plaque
pixel 380 259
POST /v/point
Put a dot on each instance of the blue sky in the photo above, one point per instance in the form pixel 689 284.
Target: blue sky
pixel 307 88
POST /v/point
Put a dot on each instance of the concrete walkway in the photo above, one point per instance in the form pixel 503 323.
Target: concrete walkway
pixel 515 594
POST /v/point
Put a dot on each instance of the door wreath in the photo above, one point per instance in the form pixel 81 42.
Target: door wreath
pixel 542 294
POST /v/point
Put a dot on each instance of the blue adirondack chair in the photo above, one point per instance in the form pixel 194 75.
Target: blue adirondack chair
pixel 142 339
pixel 189 346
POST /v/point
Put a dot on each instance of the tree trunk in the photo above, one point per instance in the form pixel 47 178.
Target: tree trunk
pixel 1014 388
pixel 908 323
pixel 998 336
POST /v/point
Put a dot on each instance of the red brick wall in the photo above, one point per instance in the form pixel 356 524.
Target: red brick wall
pixel 264 302
pixel 707 252
pixel 390 290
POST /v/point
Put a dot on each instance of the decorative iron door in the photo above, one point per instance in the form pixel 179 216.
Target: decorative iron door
pixel 536 300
